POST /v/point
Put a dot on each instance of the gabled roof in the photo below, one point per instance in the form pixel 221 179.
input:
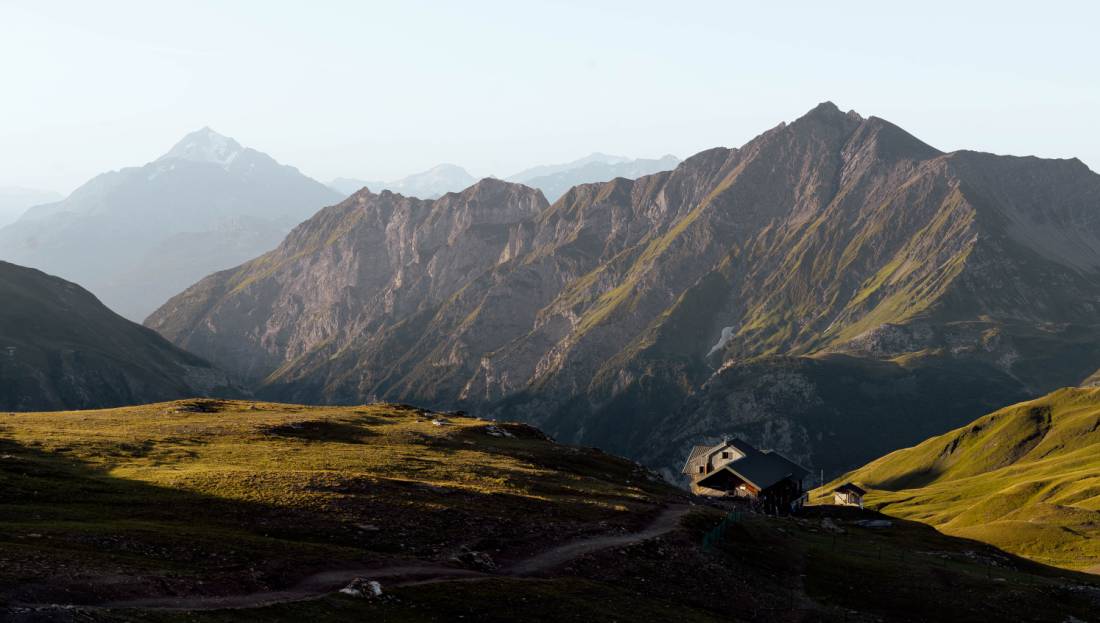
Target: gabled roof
pixel 762 470
pixel 696 452
pixel 736 443
pixel 850 487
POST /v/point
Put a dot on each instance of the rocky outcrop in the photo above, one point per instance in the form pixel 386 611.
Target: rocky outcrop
pixel 60 348
pixel 351 288
pixel 728 296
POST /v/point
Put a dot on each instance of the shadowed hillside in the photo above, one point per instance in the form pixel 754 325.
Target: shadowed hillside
pixel 60 348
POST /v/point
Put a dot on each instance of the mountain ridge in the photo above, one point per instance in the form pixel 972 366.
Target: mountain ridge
pixel 623 314
pixel 430 184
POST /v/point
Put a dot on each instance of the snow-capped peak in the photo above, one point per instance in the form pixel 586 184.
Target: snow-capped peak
pixel 205 145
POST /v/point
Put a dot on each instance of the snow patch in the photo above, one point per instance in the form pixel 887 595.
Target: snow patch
pixel 727 335
pixel 205 145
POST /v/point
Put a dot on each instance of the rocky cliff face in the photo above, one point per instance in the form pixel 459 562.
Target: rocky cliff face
pixel 733 295
pixel 60 348
pixel 348 282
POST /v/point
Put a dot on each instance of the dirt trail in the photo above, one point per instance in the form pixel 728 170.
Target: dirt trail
pixel 665 522
pixel 322 583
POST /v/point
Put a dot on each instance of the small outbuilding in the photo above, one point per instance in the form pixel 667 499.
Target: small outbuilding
pixel 849 494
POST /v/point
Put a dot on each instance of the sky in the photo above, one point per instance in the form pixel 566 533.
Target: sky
pixel 379 90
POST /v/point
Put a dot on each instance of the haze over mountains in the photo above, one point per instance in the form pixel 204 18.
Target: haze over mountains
pixel 60 348
pixel 834 289
pixel 429 184
pixel 137 235
pixel 553 180
pixel 14 201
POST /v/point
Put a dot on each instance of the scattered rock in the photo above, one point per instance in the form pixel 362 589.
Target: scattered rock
pixel 363 589
pixel 828 525
pixel 202 405
pixel 367 527
pixel 496 431
pixel 440 422
pixel 874 523
pixel 471 559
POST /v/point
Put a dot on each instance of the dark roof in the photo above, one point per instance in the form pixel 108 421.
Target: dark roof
pixel 850 487
pixel 797 471
pixel 743 446
pixel 762 470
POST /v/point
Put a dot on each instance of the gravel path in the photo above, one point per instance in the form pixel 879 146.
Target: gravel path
pixel 325 582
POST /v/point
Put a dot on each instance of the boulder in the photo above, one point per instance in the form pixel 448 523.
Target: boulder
pixel 363 589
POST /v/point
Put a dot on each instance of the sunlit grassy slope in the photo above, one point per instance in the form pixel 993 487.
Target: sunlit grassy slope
pixel 251 495
pixel 1025 478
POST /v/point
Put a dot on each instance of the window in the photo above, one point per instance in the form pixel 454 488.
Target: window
pixel 725 455
pixel 701 468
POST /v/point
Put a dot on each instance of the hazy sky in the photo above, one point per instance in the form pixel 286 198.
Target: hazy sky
pixel 380 90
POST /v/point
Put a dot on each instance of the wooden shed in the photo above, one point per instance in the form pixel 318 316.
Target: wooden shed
pixel 849 494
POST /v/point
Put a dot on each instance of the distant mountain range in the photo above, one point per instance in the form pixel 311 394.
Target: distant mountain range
pixel 430 184
pixel 138 235
pixel 60 348
pixel 552 180
pixel 555 180
pixel 834 289
pixel 15 201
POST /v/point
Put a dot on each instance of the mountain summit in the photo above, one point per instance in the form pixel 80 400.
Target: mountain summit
pixel 205 145
pixel 136 236
pixel 835 288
